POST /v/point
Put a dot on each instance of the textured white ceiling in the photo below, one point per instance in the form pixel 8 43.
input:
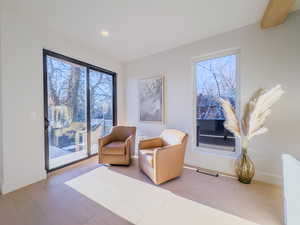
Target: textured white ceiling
pixel 142 27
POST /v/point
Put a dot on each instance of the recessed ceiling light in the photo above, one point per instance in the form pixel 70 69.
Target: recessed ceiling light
pixel 104 33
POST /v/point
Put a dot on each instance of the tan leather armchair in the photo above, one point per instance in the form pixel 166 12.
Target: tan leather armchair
pixel 162 158
pixel 117 147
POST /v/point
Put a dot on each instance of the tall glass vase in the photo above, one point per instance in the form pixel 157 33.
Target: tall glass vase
pixel 244 167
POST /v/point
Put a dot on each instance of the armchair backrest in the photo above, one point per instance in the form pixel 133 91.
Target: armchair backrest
pixel 121 133
pixel 173 137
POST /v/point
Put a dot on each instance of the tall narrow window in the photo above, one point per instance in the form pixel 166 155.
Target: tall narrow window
pixel 79 108
pixel 215 78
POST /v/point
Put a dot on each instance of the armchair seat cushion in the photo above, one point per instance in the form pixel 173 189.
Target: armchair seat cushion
pixel 147 156
pixel 114 148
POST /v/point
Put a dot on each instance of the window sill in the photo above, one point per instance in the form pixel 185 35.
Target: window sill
pixel 216 151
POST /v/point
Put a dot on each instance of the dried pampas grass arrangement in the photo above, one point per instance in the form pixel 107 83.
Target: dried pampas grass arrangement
pixel 232 123
pixel 252 123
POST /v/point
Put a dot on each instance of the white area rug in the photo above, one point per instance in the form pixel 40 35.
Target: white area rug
pixel 145 204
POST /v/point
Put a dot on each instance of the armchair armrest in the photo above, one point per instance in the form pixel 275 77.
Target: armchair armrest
pixel 169 151
pixel 168 162
pixel 129 139
pixel 105 140
pixel 151 143
pixel 129 143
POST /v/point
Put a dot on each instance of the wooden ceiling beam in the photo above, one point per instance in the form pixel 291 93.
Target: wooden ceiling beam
pixel 276 12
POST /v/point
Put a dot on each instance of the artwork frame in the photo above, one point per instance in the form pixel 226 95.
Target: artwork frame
pixel 151 99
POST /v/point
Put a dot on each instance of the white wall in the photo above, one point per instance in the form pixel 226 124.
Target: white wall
pixel 22 93
pixel 268 57
pixel 1 158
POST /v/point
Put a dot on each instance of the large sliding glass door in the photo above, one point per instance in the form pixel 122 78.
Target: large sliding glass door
pixel 79 108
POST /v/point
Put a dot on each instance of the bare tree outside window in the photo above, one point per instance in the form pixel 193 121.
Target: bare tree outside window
pixel 67 114
pixel 215 78
pixel 101 102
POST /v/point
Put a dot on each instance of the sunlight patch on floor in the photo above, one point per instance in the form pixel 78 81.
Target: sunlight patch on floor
pixel 145 204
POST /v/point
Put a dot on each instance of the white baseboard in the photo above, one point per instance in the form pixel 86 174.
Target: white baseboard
pixel 10 187
pixel 259 175
pixel 268 178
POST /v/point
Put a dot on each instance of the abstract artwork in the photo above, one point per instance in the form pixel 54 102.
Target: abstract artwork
pixel 151 99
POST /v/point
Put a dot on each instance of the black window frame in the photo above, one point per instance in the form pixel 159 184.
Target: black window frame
pixel 45 87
